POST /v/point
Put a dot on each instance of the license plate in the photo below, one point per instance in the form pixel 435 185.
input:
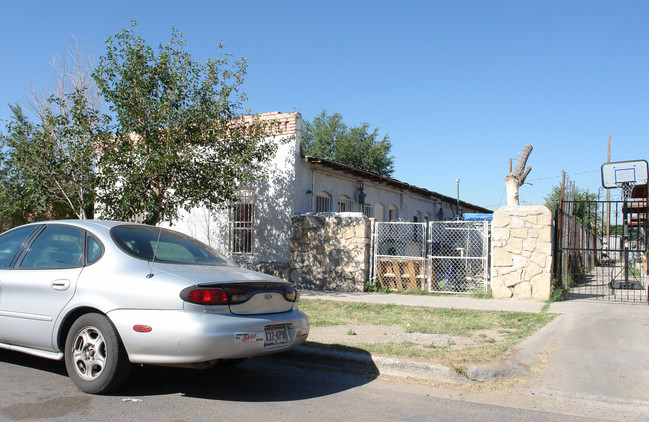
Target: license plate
pixel 276 335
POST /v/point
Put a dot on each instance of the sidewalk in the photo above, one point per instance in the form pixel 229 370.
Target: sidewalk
pixel 592 349
pixel 459 302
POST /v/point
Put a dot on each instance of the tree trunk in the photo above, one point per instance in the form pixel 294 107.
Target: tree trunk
pixel 516 178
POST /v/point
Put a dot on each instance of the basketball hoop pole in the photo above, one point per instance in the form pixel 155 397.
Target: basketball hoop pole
pixel 627 190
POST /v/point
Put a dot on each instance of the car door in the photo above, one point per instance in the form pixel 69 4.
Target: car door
pixel 41 282
pixel 11 243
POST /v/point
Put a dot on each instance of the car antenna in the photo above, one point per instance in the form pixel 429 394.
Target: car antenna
pixel 155 251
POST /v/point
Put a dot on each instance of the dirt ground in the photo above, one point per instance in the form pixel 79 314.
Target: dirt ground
pixel 371 334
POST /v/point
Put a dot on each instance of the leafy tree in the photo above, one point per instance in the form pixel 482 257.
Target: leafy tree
pixel 583 203
pixel 179 138
pixel 176 137
pixel 47 168
pixel 327 136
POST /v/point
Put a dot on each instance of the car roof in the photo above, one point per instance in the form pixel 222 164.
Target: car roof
pixel 85 224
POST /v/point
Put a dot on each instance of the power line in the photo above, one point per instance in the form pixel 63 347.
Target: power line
pixel 568 174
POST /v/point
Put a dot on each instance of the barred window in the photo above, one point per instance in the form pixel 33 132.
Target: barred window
pixel 392 213
pixel 322 202
pixel 345 204
pixel 242 221
pixel 368 211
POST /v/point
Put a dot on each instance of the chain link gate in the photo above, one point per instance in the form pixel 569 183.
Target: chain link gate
pixel 459 257
pixel 399 255
pixel 439 256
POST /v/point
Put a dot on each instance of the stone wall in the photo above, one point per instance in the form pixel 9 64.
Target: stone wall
pixel 522 253
pixel 330 251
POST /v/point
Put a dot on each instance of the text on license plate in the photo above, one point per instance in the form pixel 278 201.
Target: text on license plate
pixel 276 335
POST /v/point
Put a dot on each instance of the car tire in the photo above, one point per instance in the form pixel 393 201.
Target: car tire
pixel 95 357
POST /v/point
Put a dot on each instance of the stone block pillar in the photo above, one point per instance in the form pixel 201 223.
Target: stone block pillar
pixel 522 253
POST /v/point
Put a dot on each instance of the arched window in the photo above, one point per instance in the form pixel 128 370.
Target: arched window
pixel 345 204
pixel 368 210
pixel 393 213
pixel 322 202
pixel 416 228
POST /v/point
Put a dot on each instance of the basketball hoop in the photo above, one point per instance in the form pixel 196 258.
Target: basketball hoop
pixel 625 175
pixel 627 189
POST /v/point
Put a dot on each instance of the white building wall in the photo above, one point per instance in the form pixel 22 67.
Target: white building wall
pixel 275 199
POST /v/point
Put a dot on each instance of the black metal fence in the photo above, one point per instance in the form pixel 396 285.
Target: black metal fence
pixel 600 249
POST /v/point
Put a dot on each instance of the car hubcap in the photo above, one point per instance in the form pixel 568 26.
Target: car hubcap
pixel 89 353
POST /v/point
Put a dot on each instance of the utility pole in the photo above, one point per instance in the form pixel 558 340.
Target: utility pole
pixel 563 236
pixel 608 198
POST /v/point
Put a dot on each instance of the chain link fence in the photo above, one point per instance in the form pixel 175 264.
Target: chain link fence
pixel 440 256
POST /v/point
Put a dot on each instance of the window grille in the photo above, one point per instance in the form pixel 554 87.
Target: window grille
pixel 392 214
pixel 368 211
pixel 322 203
pixel 345 204
pixel 242 221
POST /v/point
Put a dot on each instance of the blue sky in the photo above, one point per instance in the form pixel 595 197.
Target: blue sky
pixel 459 86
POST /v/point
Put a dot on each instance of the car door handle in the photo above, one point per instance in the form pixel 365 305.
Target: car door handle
pixel 60 284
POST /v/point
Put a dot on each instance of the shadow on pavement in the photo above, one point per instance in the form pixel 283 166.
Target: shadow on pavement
pixel 281 377
pixel 29 361
pixel 276 378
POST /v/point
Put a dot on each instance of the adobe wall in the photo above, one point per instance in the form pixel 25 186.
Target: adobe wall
pixel 522 253
pixel 330 251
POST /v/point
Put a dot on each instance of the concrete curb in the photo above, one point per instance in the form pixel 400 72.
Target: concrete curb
pixel 367 364
pixel 524 355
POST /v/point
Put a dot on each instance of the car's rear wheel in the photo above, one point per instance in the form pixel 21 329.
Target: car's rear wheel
pixel 95 358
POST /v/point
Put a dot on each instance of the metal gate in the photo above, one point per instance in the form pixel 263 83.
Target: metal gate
pixel 439 256
pixel 601 250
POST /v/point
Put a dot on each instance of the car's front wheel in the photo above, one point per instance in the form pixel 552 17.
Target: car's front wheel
pixel 95 358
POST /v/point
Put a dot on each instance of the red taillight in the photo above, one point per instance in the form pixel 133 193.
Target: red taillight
pixel 207 296
pixel 142 328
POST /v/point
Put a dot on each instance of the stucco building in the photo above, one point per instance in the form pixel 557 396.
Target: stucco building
pixel 255 230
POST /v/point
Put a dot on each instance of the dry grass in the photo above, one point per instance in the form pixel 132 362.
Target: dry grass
pixel 451 337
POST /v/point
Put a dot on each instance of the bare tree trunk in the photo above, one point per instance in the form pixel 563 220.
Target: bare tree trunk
pixel 71 69
pixel 516 178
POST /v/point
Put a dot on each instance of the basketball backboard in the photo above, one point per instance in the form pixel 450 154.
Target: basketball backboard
pixel 617 173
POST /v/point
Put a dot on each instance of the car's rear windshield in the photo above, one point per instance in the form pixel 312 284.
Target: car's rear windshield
pixel 145 242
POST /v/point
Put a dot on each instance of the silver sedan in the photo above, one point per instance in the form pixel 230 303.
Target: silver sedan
pixel 103 295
